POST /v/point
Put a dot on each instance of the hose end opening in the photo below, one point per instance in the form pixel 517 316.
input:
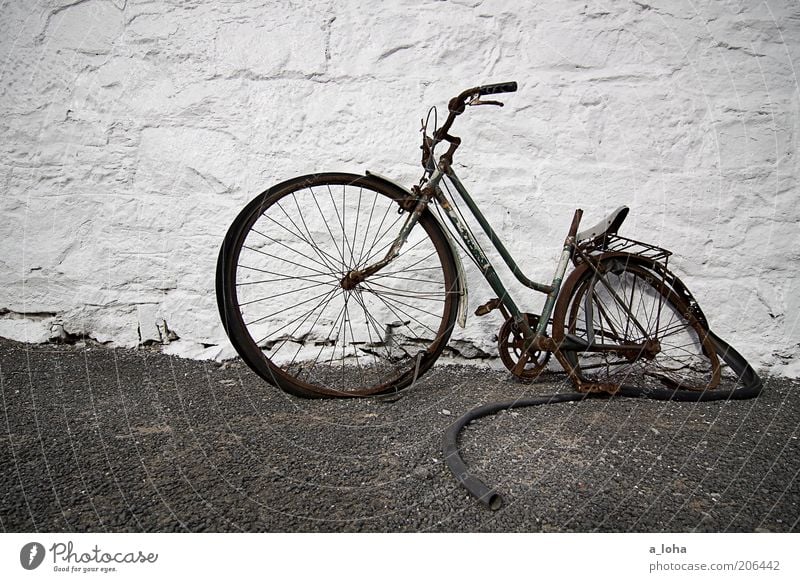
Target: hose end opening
pixel 495 501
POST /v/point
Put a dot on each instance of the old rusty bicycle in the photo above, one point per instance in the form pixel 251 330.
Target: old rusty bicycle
pixel 336 284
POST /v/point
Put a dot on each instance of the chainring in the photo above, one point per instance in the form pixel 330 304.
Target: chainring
pixel 510 343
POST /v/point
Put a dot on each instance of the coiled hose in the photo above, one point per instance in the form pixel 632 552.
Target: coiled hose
pixel 748 386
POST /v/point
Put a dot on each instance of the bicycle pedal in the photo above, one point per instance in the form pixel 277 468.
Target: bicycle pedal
pixel 487 307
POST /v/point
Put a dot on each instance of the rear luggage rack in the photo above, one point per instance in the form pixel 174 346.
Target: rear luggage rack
pixel 619 244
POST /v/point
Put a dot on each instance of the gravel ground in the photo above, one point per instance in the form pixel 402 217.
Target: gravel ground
pixel 97 439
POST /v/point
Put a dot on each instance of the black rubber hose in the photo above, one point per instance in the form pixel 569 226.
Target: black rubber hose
pixel 750 387
pixel 487 495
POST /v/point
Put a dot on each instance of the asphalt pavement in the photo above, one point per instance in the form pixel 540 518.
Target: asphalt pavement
pixel 122 440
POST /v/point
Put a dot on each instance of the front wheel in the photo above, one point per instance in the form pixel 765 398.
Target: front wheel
pixel 287 312
pixel 622 324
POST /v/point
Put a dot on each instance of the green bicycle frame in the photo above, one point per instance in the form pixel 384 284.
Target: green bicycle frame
pixel 485 265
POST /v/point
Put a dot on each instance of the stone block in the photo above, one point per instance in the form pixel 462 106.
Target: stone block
pixel 91 27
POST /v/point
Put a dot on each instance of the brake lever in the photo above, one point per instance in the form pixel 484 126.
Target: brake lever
pixel 477 101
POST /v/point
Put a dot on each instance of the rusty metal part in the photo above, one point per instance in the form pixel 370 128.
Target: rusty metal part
pixel 613 243
pixel 351 280
pixel 573 227
pixel 650 349
pixel 490 306
pixel 522 357
pixel 409 203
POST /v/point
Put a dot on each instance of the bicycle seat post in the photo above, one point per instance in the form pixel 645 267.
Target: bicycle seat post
pixel 558 277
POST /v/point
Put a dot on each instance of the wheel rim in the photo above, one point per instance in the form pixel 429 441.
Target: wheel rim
pixel 314 335
pixel 666 345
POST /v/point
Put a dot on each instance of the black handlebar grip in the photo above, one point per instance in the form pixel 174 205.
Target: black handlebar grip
pixel 509 87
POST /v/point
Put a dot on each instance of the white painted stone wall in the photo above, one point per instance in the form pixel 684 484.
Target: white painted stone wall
pixel 133 132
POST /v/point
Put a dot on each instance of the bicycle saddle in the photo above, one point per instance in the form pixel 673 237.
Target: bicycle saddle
pixel 609 225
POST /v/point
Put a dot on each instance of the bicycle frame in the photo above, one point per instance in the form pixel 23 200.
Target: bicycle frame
pixel 485 265
pixel 536 338
pixel 533 339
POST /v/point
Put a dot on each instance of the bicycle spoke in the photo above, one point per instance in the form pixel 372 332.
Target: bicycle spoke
pixel 404 251
pixel 355 227
pixel 327 339
pixel 396 343
pixel 366 230
pixel 309 241
pixel 381 275
pixel 344 335
pixel 325 222
pixel 277 242
pixel 326 301
pixel 369 325
pixel 279 278
pixel 376 326
pixel 355 348
pixel 260 299
pixel 389 273
pixel 339 333
pixel 345 263
pixel 319 315
pixel 375 240
pixel 430 296
pixel 605 364
pixel 260 319
pixel 286 261
pixel 614 294
pixel 603 316
pixel 673 329
pixel 317 248
pixel 395 303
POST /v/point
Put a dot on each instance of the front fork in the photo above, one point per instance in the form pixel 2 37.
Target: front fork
pixel 356 276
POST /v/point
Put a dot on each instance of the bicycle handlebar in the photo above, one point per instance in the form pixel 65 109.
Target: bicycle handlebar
pixel 508 87
pixel 456 106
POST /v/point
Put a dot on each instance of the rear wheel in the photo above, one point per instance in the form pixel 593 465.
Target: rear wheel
pixel 283 305
pixel 633 329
